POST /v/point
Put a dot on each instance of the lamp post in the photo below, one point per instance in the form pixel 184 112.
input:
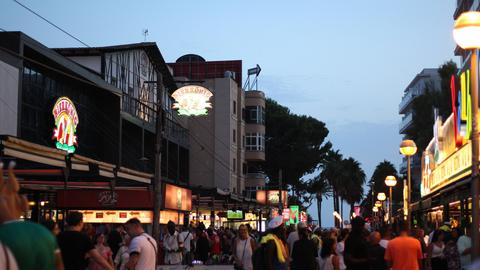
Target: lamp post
pixel 390 181
pixel 381 197
pixel 466 33
pixel 408 149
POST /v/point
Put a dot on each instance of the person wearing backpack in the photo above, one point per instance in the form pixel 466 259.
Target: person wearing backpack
pixel 243 248
pixel 186 236
pixel 273 252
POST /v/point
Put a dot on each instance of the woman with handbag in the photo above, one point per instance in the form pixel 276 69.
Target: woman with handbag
pixel 243 249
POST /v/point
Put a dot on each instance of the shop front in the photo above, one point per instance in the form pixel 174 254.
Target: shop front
pixel 446 164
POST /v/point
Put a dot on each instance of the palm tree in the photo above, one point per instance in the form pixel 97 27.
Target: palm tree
pixel 353 179
pixel 331 172
pixel 320 187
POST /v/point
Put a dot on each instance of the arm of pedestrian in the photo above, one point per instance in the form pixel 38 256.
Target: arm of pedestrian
pixel 93 253
pixel 132 261
pixel 58 261
pixel 336 263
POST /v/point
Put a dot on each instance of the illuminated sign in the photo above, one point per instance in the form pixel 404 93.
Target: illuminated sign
pixel 177 198
pixel 237 214
pixel 294 214
pixel 192 100
pixel 461 107
pixel 303 216
pixel 66 121
pixel 272 197
pixel 122 216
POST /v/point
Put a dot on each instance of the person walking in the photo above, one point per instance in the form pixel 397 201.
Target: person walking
pixel 356 246
pixel 329 260
pixel 435 251
pixel 172 245
pixel 376 253
pixel 243 248
pixel 31 244
pixel 304 252
pixel 450 252
pixel 104 250
pixel 76 246
pixel 143 248
pixel 122 256
pixel 202 245
pixel 275 252
pixel 186 236
pixel 341 247
pixel 404 252
pixel 464 245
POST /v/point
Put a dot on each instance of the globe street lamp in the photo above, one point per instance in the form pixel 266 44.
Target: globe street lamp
pixel 408 149
pixel 390 181
pixel 382 197
pixel 466 33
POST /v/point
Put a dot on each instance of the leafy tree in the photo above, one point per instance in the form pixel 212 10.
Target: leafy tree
pixel 423 120
pixel 294 143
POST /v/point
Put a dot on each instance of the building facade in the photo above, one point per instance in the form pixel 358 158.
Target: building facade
pixel 227 145
pixel 81 132
pixel 430 79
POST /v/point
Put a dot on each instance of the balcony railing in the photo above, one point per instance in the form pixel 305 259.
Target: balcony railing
pixel 258 175
pixel 407 121
pixel 409 97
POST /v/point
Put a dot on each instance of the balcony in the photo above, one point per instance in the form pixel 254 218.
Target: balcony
pixel 407 122
pixel 251 155
pixel 406 100
pixel 255 179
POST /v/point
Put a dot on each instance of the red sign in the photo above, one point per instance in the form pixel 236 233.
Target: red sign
pixel 99 215
pixel 271 197
pixel 286 214
pixel 122 215
pixel 177 198
pixel 101 199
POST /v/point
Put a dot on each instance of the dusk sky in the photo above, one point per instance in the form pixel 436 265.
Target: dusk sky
pixel 343 62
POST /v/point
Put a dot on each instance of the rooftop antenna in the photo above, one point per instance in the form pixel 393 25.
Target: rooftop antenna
pixel 252 83
pixel 145 34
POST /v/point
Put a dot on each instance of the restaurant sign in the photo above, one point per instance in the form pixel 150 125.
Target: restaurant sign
pixel 192 100
pixel 66 121
pixel 177 198
pixel 272 197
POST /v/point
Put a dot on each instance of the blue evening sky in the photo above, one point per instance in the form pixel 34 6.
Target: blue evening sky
pixel 343 62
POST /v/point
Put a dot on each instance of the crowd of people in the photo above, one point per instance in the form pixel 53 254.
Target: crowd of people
pixel 26 245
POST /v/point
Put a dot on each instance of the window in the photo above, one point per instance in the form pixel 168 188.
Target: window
pixel 243 141
pixel 255 142
pixel 234 107
pixel 234 135
pixel 234 165
pixel 255 115
pixel 244 168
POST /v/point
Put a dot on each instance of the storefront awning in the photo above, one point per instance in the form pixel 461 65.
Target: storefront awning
pixel 43 155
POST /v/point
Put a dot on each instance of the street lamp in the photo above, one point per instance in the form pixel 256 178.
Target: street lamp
pixel 378 204
pixel 381 196
pixel 390 181
pixel 466 33
pixel 408 149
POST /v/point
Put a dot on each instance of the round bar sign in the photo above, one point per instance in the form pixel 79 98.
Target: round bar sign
pixel 66 121
pixel 192 100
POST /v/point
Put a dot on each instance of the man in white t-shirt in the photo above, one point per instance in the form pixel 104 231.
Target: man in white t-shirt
pixel 464 245
pixel 142 248
pixel 172 245
pixel 186 237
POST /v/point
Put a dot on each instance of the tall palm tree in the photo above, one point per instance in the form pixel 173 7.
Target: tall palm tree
pixel 353 179
pixel 331 172
pixel 321 188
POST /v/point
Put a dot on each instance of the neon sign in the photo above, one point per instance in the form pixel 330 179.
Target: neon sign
pixel 66 121
pixel 192 100
pixel 461 107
